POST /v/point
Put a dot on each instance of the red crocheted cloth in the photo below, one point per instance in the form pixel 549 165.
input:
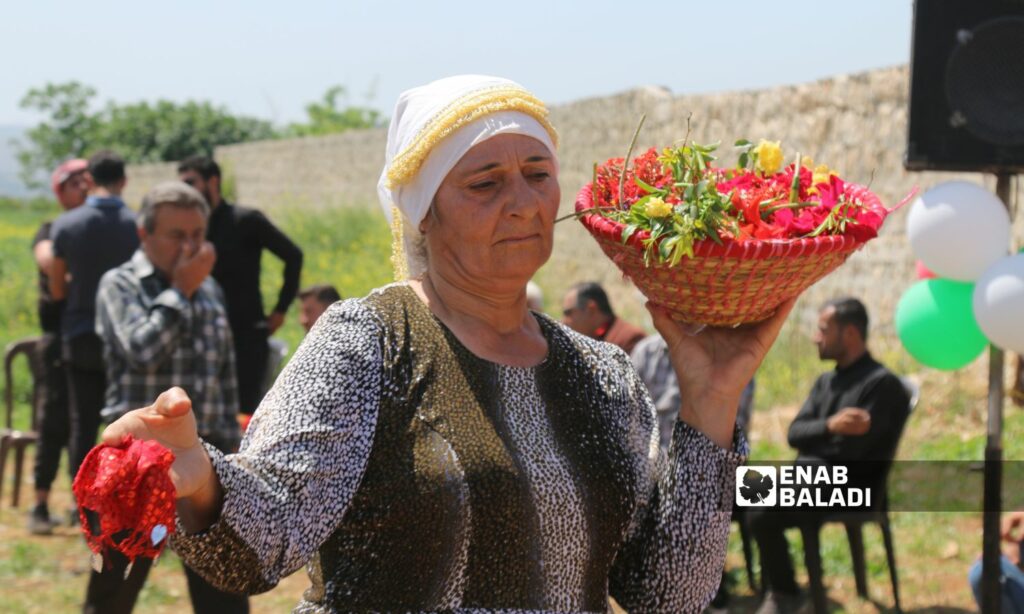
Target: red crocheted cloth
pixel 128 493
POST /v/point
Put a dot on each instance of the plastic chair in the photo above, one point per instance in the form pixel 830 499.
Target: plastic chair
pixel 11 439
pixel 854 523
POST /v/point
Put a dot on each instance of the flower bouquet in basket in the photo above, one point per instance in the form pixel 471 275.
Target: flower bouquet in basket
pixel 725 246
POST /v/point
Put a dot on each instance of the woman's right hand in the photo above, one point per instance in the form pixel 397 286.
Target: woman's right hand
pixel 170 422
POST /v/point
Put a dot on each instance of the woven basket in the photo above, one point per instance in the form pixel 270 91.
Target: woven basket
pixel 730 284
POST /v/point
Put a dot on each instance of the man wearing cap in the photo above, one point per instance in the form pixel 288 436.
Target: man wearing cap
pixel 240 234
pixel 88 242
pixel 163 323
pixel 70 183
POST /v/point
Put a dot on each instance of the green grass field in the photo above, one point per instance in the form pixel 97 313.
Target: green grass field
pixel 350 248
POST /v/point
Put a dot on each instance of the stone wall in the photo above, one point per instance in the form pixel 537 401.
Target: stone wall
pixel 855 123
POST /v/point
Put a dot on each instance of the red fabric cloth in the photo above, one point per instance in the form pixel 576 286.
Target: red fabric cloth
pixel 128 488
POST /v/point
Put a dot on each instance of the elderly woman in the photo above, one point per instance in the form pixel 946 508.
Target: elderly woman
pixel 437 446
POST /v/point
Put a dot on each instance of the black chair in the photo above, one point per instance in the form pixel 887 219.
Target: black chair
pixel 854 523
pixel 13 440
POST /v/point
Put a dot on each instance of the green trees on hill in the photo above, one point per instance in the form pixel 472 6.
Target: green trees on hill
pixel 326 117
pixel 158 131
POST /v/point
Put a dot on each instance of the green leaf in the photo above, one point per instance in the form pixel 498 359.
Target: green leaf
pixel 628 232
pixel 665 247
pixel 743 143
pixel 646 187
pixel 639 205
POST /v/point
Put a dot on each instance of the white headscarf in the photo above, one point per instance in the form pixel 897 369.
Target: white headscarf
pixel 432 127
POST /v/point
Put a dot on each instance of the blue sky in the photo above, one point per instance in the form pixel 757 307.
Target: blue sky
pixel 268 59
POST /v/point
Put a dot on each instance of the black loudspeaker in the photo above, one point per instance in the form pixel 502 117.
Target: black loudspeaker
pixel 967 86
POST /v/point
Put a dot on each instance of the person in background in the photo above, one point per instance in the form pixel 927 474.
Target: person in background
pixel 586 310
pixel 1011 573
pixel 239 235
pixel 87 242
pixel 314 301
pixel 162 321
pixel 651 359
pixel 70 183
pixel 534 297
pixel 855 412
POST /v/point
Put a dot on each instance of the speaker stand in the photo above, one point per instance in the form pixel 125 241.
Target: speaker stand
pixel 991 590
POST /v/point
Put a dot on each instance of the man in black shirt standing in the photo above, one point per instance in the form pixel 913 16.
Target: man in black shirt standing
pixel 70 183
pixel 88 241
pixel 854 413
pixel 239 236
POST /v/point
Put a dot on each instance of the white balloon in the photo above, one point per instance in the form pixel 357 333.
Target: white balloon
pixel 958 229
pixel 999 303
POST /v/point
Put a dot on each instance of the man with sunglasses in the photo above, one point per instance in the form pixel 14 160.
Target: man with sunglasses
pixel 586 310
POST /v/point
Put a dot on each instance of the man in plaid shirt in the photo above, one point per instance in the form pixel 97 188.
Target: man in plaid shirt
pixel 162 321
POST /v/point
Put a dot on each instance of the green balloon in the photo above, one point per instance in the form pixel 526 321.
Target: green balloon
pixel 935 322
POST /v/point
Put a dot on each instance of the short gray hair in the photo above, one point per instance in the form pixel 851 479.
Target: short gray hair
pixel 174 193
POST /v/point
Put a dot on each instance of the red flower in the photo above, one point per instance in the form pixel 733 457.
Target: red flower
pixel 645 166
pixel 865 224
pixel 760 205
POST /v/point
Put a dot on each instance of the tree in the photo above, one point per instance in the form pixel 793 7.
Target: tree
pixel 140 132
pixel 325 117
pixel 166 131
pixel 69 132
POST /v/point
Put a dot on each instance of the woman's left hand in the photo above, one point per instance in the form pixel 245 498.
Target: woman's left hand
pixel 714 365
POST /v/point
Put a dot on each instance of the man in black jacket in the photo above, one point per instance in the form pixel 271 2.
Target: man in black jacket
pixel 239 236
pixel 854 413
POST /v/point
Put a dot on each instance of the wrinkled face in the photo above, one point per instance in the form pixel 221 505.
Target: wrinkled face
pixel 492 219
pixel 75 189
pixel 205 187
pixel 829 335
pixel 178 234
pixel 310 311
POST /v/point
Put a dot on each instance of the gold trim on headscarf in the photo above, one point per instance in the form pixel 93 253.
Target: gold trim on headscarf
pixel 460 112
pixel 398 263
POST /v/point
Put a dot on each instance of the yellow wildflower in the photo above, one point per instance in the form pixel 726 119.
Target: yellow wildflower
pixel 657 207
pixel 769 156
pixel 807 162
pixel 821 174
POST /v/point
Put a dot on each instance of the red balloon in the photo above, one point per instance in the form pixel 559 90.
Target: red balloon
pixel 924 272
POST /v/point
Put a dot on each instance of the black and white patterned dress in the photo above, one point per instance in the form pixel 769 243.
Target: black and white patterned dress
pixel 413 476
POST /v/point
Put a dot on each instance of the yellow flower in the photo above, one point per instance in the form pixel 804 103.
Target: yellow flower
pixel 807 162
pixel 821 174
pixel 769 156
pixel 657 207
